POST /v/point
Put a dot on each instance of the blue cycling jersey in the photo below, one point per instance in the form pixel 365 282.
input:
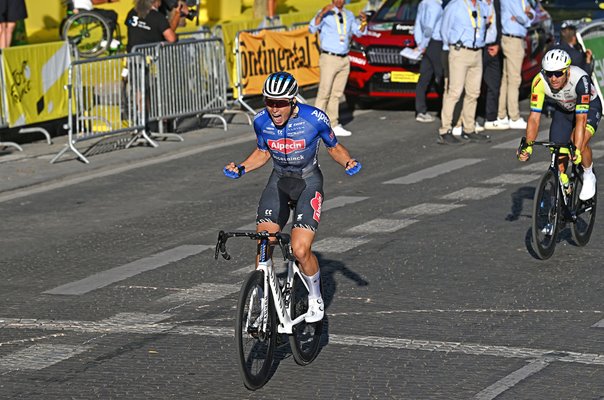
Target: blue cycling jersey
pixel 294 147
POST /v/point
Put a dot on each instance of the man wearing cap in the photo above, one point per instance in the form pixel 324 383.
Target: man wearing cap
pixel 568 42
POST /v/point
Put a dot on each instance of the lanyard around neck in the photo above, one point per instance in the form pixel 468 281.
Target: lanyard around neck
pixel 341 31
pixel 476 20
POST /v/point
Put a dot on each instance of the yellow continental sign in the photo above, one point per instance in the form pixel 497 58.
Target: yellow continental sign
pixel 296 52
pixel 35 77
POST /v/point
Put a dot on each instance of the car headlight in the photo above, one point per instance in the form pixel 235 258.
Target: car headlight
pixel 356 46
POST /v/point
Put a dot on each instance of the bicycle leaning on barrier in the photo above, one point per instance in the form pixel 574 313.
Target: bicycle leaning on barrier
pixel 556 202
pixel 92 32
pixel 290 134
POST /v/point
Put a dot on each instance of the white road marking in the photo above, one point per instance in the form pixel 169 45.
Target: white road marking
pixel 434 171
pixel 117 274
pixel 329 204
pixel 473 193
pixel 511 380
pixel 599 324
pixel 514 143
pixel 338 244
pixel 380 225
pixel 39 356
pixel 428 209
pixel 511 179
pixel 31 339
pixel 597 153
pixel 205 292
pixel 535 167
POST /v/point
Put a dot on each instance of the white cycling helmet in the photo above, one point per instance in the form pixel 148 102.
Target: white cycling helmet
pixel 555 60
pixel 280 85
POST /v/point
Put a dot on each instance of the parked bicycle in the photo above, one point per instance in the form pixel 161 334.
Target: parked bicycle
pixel 269 307
pixel 88 32
pixel 557 202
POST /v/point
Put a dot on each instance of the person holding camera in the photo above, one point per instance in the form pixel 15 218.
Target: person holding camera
pixel 146 24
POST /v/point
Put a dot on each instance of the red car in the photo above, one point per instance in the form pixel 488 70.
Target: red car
pixel 378 70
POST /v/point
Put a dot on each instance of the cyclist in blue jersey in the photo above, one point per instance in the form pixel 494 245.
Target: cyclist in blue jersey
pixel 290 134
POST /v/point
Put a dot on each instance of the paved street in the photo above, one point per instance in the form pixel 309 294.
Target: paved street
pixel 109 287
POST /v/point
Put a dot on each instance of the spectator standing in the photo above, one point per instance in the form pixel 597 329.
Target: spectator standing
pixel 568 42
pixel 463 32
pixel 108 15
pixel 516 17
pixel 335 25
pixel 11 11
pixel 492 65
pixel 426 33
pixel 147 25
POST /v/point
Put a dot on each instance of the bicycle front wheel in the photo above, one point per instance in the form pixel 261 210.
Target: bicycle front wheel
pixel 585 211
pixel 255 340
pixel 545 216
pixel 305 338
pixel 88 32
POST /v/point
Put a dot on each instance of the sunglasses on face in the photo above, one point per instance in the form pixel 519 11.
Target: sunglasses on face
pixel 557 74
pixel 276 103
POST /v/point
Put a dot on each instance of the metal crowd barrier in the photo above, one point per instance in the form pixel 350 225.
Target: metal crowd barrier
pixel 186 78
pixel 239 78
pixel 106 97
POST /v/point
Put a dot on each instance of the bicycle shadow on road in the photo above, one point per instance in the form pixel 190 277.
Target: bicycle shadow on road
pixel 329 268
pixel 519 198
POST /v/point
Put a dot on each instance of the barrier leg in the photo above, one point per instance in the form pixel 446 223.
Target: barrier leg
pixel 240 112
pixel 220 117
pixel 40 130
pixel 11 144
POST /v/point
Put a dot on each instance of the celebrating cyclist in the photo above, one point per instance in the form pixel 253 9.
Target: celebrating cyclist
pixel 578 111
pixel 290 134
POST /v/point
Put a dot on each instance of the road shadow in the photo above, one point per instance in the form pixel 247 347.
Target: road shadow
pixel 519 198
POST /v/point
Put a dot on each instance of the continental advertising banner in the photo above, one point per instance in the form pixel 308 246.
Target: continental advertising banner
pixel 296 52
pixel 35 77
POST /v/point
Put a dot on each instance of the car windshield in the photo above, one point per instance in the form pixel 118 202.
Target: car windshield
pixel 397 10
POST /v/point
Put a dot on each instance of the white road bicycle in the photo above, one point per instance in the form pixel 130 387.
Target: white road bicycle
pixel 269 307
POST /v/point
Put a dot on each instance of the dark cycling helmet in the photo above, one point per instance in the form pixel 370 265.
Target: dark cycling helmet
pixel 280 85
pixel 555 60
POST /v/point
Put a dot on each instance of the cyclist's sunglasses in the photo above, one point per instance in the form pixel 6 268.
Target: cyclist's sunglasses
pixel 557 74
pixel 277 103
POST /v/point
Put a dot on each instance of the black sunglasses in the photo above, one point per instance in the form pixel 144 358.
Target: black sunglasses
pixel 557 74
pixel 341 18
pixel 277 103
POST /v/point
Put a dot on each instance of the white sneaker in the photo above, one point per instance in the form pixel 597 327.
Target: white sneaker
pixel 520 123
pixel 478 127
pixel 548 229
pixel 115 44
pixel 456 131
pixel 589 187
pixel 497 125
pixel 424 117
pixel 315 310
pixel 340 131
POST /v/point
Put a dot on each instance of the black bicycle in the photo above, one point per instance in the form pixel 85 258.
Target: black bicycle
pixel 269 307
pixel 557 203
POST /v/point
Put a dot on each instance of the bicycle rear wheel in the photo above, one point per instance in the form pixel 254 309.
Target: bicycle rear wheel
pixel 305 338
pixel 88 32
pixel 255 344
pixel 585 212
pixel 545 216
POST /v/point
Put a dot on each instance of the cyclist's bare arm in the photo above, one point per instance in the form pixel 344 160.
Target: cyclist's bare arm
pixel 532 126
pixel 341 155
pixel 580 135
pixel 254 161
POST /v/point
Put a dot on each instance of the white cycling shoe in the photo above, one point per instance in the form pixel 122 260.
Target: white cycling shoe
pixel 589 187
pixel 316 310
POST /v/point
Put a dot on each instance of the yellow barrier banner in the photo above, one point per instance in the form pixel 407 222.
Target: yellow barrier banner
pixel 296 52
pixel 35 77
